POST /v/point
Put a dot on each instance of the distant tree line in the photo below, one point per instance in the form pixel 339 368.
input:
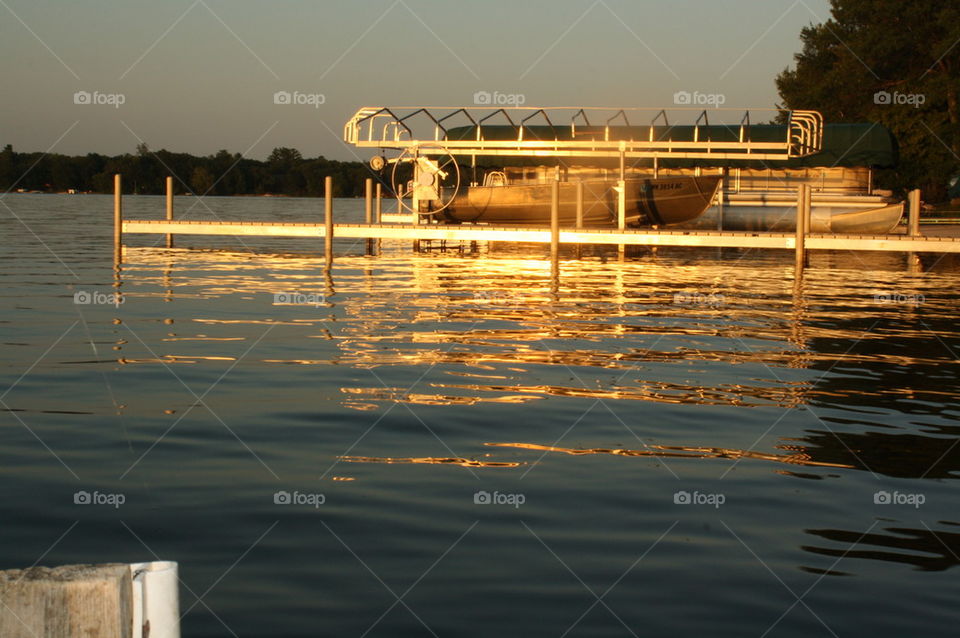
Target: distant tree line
pixel 285 172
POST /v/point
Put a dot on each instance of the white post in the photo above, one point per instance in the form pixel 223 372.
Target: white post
pixel 156 602
pixel 169 209
pixel 328 218
pixel 803 204
pixel 117 219
pixel 723 186
pixel 554 221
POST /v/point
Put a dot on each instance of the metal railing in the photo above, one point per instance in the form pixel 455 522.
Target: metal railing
pixel 426 128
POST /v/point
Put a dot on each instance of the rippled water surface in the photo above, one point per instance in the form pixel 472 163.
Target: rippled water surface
pixel 682 442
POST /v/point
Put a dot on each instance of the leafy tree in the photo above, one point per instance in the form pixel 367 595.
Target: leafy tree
pixel 201 181
pixel 7 169
pixel 284 157
pixel 895 63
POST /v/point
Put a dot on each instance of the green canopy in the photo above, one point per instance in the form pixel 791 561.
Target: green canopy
pixel 846 145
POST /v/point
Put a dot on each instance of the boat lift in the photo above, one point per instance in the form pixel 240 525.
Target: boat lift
pixel 431 138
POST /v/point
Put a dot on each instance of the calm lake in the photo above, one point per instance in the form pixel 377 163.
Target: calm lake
pixel 682 442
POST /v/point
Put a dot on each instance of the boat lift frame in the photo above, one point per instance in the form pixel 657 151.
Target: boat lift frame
pixel 417 131
pixel 400 128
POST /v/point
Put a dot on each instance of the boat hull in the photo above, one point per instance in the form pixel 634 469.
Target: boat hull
pixel 778 213
pixel 664 201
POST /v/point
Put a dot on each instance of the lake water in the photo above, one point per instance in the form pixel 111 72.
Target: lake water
pixel 682 442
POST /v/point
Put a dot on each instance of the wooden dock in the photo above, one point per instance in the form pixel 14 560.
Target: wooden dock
pixel 375 230
pixel 526 234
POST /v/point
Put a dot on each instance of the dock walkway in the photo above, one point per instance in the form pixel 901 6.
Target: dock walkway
pixel 526 234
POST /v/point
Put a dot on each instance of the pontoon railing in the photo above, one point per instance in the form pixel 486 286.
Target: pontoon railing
pixel 696 125
pixel 573 121
pixel 745 129
pixel 401 128
pixel 533 115
pixel 653 123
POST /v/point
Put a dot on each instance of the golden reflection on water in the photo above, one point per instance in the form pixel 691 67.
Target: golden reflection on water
pixel 658 392
pixel 796 457
pixel 495 329
pixel 877 383
pixel 428 460
pixel 500 314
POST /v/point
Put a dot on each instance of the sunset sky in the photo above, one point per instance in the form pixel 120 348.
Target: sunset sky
pixel 199 76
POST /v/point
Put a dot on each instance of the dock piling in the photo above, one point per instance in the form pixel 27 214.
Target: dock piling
pixel 117 219
pixel 368 200
pixel 723 185
pixel 368 210
pixel 378 215
pixel 74 600
pixel 913 213
pixel 169 209
pixel 911 242
pixel 622 215
pixel 554 221
pixel 113 600
pixel 579 205
pixel 328 218
pixel 621 204
pixel 803 218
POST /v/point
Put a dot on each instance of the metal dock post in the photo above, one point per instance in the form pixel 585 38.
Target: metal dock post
pixel 368 200
pixel 117 219
pixel 368 209
pixel 803 219
pixel 328 219
pixel 554 221
pixel 579 205
pixel 913 214
pixel 169 209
